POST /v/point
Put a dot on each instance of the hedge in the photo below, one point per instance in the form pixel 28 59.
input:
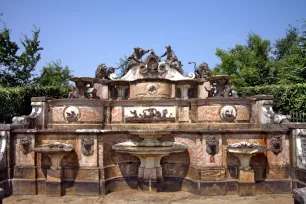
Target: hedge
pixel 287 99
pixel 17 101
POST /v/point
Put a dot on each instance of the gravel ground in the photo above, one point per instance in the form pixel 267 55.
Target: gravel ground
pixel 136 197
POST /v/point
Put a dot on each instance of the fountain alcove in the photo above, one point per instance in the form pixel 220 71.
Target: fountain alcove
pixel 152 129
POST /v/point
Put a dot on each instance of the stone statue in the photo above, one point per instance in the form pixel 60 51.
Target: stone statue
pixel 103 72
pixel 135 58
pixel 172 60
pixel 202 71
pixel 269 113
pixel 72 92
pixel 24 120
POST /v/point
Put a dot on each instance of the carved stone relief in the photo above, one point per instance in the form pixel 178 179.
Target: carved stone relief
pixel 72 114
pixel 269 116
pixel 144 114
pixel 152 89
pixel 228 113
pixel 87 146
pixel 212 146
pixel 3 139
pixel 300 147
pixel 276 144
pixel 25 144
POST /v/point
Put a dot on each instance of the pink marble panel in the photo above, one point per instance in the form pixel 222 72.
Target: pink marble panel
pixel 281 158
pixel 117 114
pixel 209 113
pixel 90 160
pixel 243 113
pixel 183 114
pixel 193 143
pixel 209 160
pixel 25 159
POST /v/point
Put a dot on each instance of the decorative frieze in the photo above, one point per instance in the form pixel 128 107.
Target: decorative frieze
pixel 152 114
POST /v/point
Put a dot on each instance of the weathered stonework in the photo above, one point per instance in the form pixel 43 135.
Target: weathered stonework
pixel 153 129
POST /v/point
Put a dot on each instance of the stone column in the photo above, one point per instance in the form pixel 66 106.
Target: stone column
pixel 202 89
pixel 184 91
pixel 150 172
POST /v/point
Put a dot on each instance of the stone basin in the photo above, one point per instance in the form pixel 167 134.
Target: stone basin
pixel 55 151
pixel 244 151
pixel 135 148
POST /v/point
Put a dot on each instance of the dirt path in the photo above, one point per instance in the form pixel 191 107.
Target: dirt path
pixel 136 197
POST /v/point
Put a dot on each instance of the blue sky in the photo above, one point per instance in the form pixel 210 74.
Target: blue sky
pixel 84 34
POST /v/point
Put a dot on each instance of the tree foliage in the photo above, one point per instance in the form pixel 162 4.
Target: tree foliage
pixel 259 63
pixel 123 63
pixel 17 101
pixel 17 70
pixel 54 74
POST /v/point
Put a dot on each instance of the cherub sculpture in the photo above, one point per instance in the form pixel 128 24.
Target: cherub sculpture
pixel 135 58
pixel 103 72
pixel 172 60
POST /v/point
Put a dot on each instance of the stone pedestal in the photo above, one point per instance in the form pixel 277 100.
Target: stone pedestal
pixel 202 89
pixel 150 173
pixel 54 183
pixel 54 175
pixel 184 91
pixel 246 175
pixel 121 91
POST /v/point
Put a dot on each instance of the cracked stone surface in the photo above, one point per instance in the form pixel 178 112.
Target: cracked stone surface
pixel 135 197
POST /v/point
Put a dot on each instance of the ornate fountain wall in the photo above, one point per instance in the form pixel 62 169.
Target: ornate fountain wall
pixel 199 113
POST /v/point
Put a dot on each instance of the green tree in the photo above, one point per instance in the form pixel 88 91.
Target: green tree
pixel 249 64
pixel 54 74
pixel 290 59
pixel 17 70
pixel 123 63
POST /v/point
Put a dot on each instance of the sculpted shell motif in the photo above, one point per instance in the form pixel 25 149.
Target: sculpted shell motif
pixel 72 114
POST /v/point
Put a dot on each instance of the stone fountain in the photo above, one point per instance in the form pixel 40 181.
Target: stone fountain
pixel 244 151
pixel 55 152
pixel 108 123
pixel 150 151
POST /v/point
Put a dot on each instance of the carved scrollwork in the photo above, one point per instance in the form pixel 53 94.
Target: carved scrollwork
pixel 276 144
pixel 87 144
pixel 25 144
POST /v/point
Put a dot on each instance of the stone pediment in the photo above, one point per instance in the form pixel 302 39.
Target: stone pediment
pixel 145 71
